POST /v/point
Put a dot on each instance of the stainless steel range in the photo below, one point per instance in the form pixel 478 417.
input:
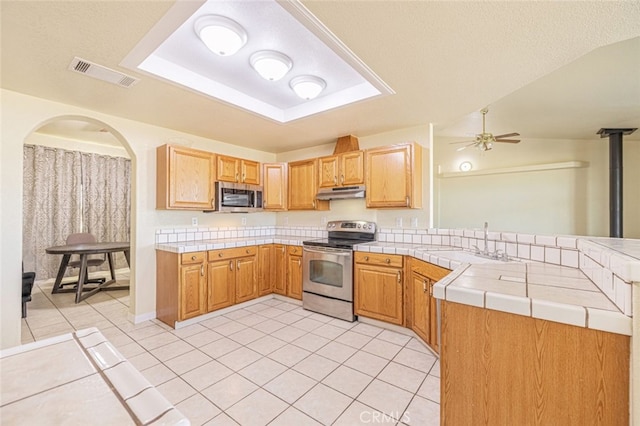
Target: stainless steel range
pixel 327 275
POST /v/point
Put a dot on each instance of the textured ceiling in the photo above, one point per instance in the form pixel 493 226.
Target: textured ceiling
pixel 445 61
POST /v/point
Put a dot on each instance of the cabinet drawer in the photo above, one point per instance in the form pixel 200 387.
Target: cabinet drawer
pixel 191 258
pixel 429 270
pixel 295 250
pixel 379 259
pixel 231 253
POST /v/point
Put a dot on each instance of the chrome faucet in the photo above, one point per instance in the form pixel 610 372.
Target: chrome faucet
pixel 496 255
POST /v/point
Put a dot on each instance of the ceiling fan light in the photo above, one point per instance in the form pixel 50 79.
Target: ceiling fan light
pixel 308 86
pixel 271 65
pixel 221 35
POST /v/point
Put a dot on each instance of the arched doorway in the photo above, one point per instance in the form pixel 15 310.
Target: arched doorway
pixel 98 145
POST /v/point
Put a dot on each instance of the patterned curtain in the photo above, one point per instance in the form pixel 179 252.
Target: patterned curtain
pixel 106 202
pixel 50 205
pixel 67 192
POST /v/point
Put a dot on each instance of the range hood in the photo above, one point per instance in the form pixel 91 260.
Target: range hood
pixel 341 193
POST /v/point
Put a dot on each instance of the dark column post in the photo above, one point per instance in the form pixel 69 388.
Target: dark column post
pixel 615 178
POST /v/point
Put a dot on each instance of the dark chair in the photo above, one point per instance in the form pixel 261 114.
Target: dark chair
pixel 28 278
pixel 85 238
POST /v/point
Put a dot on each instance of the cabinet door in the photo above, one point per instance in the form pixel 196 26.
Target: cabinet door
pixel 393 176
pixel 228 169
pixel 433 319
pixel 221 284
pixel 378 293
pixel 246 284
pixel 420 287
pixel 192 291
pixel 250 172
pixel 351 168
pixel 266 267
pixel 184 178
pixel 294 276
pixel 328 172
pixel 302 187
pixel 275 186
pixel 280 272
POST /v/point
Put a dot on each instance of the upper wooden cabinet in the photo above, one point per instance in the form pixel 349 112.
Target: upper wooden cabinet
pixel 342 169
pixel 184 178
pixel 231 169
pixel 394 176
pixel 275 186
pixel 303 186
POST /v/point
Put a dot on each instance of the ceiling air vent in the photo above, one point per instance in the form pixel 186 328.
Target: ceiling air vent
pixel 85 67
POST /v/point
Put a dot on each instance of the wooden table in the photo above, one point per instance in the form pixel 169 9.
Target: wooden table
pixel 84 250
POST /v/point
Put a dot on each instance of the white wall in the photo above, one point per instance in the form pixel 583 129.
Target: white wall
pixel 567 201
pixel 21 115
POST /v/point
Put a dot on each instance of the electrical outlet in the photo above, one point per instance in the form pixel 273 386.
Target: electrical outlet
pixel 414 222
pixel 194 221
pixel 244 220
pixel 398 222
pixel 323 220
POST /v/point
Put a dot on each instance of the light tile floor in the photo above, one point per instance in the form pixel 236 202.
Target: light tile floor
pixel 268 363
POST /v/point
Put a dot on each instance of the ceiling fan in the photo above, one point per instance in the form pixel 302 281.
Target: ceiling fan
pixel 484 141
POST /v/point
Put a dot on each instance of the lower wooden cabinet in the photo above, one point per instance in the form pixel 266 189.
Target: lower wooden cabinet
pixel 232 277
pixel 423 315
pixel 378 280
pixel 280 269
pixel 294 272
pixel 181 286
pixel 505 369
pixel 220 284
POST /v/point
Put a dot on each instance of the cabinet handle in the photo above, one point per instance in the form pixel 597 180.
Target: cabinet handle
pixel 341 179
pixel 424 286
pixel 231 265
pixel 335 180
pixel 399 276
pixel 387 260
pixel 237 265
pixel 236 177
pixel 431 290
pixel 314 204
pixel 366 258
pixel 247 251
pixel 213 202
pixel 220 254
pixel 202 270
pixel 193 258
pixel 299 263
pixel 408 201
pixel 282 249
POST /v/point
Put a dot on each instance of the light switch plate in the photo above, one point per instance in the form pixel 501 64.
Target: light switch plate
pixel 194 221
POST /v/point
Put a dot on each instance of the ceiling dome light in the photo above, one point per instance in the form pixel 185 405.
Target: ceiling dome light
pixel 221 35
pixel 271 65
pixel 308 86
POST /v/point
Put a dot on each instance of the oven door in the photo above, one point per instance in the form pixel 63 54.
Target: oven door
pixel 328 272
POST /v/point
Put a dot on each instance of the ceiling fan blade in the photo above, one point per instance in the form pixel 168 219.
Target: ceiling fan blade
pixel 507 135
pixel 462 142
pixel 508 140
pixel 466 146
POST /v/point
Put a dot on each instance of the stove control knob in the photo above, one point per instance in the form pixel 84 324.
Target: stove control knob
pixel 359 226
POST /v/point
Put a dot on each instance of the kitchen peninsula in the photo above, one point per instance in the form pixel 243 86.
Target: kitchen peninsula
pixel 561 306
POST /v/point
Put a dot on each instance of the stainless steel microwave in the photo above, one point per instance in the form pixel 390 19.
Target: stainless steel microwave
pixel 238 197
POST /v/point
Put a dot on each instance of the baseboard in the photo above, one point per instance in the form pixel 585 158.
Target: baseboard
pixel 137 319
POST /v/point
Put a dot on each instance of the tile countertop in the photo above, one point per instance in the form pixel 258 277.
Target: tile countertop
pixel 78 378
pixel 540 290
pixel 524 287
